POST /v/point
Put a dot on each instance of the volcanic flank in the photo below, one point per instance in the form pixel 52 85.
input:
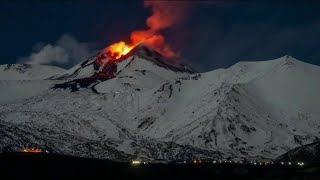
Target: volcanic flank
pixel 143 105
pixel 105 66
pixel 147 44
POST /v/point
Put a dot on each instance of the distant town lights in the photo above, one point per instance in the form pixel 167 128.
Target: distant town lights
pixel 31 150
pixel 135 162
pixel 195 161
pixel 199 161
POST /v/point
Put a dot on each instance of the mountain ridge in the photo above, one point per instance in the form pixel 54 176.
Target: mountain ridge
pixel 234 113
pixel 28 71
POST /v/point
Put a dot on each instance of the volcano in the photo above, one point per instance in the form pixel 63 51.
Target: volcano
pixel 147 106
pixel 103 67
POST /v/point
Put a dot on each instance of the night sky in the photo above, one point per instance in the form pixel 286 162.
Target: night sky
pixel 214 34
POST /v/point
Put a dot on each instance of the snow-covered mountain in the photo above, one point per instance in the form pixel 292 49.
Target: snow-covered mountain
pixel 307 154
pixel 18 81
pixel 28 71
pixel 148 107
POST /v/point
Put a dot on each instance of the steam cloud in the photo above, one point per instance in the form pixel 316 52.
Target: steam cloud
pixel 67 51
pixel 165 14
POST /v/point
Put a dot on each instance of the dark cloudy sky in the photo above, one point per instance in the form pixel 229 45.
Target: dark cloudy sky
pixel 214 34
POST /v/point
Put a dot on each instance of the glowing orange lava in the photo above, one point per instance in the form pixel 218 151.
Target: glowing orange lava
pixel 156 41
pixel 119 49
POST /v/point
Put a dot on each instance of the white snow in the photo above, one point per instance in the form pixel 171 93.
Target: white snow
pixel 12 91
pixel 252 109
pixel 28 71
pixel 19 81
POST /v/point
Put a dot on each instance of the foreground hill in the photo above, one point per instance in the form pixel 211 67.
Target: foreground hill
pixel 37 166
pixel 308 154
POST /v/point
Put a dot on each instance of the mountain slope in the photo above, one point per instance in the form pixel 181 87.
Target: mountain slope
pixel 147 107
pixel 19 81
pixel 28 71
pixel 309 153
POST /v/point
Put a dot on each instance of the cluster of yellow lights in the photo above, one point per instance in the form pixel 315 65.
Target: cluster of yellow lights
pixel 300 163
pixel 136 162
pixel 196 161
pixel 251 162
pixel 31 150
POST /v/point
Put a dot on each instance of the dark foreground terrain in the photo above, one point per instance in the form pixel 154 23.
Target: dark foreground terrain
pixel 51 166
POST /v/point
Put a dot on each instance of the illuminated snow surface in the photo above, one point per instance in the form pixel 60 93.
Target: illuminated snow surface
pixel 152 110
